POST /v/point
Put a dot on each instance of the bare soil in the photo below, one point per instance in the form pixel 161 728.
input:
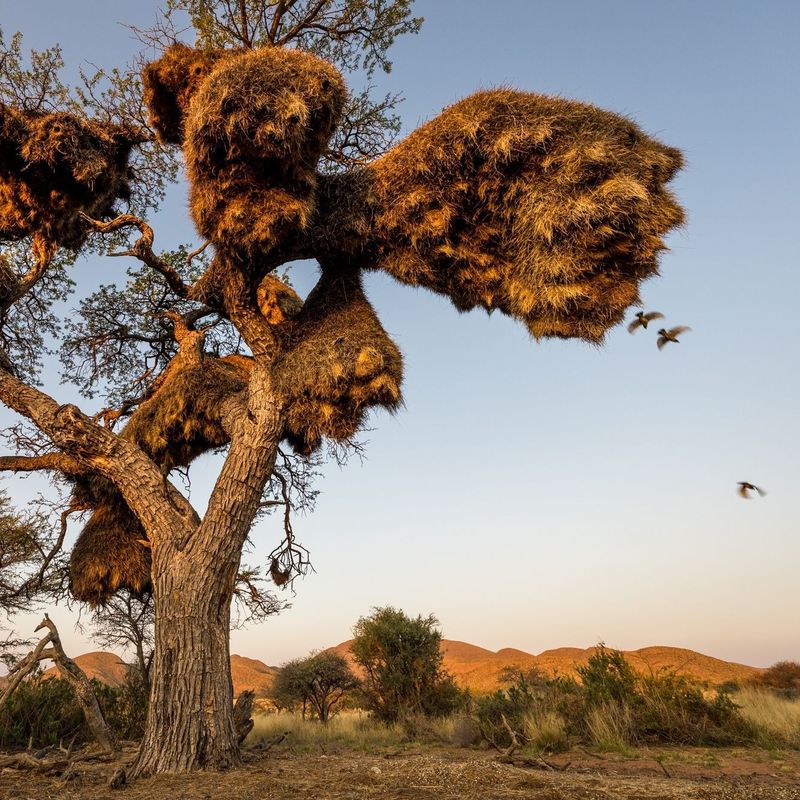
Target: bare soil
pixel 444 773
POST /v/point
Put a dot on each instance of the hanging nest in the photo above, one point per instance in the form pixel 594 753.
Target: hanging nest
pixel 179 422
pixel 550 210
pixel 55 166
pixel 254 134
pixel 336 362
pixel 111 553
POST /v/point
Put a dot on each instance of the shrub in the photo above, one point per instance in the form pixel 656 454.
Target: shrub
pixel 611 707
pixel 402 664
pixel 44 711
pixel 319 682
pixel 783 678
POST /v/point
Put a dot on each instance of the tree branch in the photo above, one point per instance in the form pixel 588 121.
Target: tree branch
pixel 48 461
pixel 142 248
pixel 154 501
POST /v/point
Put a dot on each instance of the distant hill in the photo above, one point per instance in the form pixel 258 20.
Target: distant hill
pixel 472 667
pixel 480 670
pixel 250 673
pixel 107 668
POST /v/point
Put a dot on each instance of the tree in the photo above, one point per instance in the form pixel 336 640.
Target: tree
pixel 319 681
pixel 548 210
pixel 126 622
pixel 402 662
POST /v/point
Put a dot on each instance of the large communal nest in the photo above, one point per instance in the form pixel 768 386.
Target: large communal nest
pixel 179 422
pixel 337 361
pixel 549 210
pixel 53 168
pixel 253 126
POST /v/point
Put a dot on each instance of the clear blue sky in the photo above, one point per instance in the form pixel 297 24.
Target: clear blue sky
pixel 541 495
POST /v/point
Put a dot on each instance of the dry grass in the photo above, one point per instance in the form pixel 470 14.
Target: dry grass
pixel 354 730
pixel 552 211
pixel 546 730
pixel 55 166
pixel 351 729
pixel 777 719
pixel 610 727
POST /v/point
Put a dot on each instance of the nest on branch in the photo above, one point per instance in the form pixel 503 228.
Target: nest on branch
pixel 336 362
pixel 179 422
pixel 253 125
pixel 550 210
pixel 111 553
pixel 53 168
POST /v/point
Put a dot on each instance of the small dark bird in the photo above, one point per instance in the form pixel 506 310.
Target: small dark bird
pixel 670 335
pixel 745 488
pixel 642 319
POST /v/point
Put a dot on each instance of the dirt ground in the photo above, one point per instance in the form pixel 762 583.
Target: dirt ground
pixel 444 773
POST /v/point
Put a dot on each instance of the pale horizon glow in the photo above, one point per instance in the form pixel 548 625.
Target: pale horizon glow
pixel 546 495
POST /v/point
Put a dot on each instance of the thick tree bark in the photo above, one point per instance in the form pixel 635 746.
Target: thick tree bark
pixel 190 723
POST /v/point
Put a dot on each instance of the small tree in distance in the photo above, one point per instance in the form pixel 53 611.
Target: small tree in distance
pixel 402 663
pixel 319 682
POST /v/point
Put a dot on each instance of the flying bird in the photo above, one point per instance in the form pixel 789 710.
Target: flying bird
pixel 642 319
pixel 745 488
pixel 670 335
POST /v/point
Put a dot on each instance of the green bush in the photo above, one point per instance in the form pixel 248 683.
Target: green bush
pixel 401 661
pixel 44 711
pixel 611 707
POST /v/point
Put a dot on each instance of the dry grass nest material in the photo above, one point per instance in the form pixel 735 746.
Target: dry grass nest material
pixel 55 166
pixel 253 125
pixel 550 210
pixel 337 361
pixel 175 425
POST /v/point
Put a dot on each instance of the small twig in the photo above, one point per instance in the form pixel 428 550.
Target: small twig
pixel 142 248
pixel 664 769
pixel 195 253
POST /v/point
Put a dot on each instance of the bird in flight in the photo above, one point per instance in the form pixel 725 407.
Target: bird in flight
pixel 745 488
pixel 670 335
pixel 642 319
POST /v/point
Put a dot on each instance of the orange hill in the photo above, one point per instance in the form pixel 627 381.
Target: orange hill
pixel 473 667
pixel 479 669
pixel 250 673
pixel 107 668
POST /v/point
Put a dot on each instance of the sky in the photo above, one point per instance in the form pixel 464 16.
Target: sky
pixel 539 495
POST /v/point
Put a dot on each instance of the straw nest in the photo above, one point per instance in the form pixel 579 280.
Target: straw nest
pixel 336 362
pixel 55 166
pixel 111 553
pixel 255 130
pixel 550 210
pixel 253 125
pixel 179 422
pixel 169 85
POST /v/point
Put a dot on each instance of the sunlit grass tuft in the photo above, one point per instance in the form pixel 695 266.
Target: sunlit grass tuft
pixel 776 718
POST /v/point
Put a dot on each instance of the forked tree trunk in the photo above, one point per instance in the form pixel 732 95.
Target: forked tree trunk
pixel 190 722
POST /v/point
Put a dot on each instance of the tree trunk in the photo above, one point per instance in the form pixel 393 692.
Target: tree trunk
pixel 190 719
pixel 190 723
